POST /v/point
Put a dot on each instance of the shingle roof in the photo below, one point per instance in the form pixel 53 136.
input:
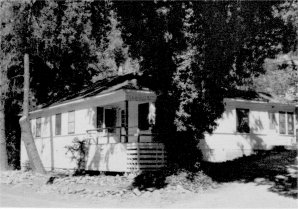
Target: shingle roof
pixel 127 81
pixel 257 96
pixel 135 81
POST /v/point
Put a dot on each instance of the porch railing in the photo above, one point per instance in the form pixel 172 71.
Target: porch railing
pixel 140 155
pixel 124 132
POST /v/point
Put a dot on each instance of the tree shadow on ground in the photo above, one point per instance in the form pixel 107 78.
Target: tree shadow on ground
pixel 266 167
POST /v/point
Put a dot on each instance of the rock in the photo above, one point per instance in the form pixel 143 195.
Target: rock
pixel 106 193
pixel 70 191
pixel 280 178
pixel 120 193
pixel 279 187
pixel 292 170
pixel 80 190
pixel 294 191
pixel 150 189
pixel 259 180
pixel 99 194
pixel 181 189
pixel 51 180
pixel 136 191
pixel 131 176
pixel 8 181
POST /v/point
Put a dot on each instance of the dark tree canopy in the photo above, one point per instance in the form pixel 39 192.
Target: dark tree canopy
pixel 197 52
pixel 192 52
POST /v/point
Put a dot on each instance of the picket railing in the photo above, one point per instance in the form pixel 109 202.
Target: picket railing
pixel 145 156
pixel 122 133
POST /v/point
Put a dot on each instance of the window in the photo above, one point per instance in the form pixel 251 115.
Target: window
pixel 143 110
pixel 107 116
pixel 272 121
pixel 110 119
pixel 286 123
pixel 242 120
pixel 71 122
pixel 58 124
pixel 38 127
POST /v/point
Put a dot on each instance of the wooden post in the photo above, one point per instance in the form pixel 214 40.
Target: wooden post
pixel 52 142
pixel 138 162
pixel 126 120
pixel 138 133
pixel 26 134
pixel 108 135
pixel 120 138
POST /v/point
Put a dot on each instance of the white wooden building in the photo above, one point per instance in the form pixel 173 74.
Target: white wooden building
pixel 115 115
pixel 249 125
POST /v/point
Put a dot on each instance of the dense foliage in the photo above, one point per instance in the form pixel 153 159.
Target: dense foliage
pixel 193 53
pixel 197 52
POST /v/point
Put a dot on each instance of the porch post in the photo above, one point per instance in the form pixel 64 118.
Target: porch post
pixel 126 121
pixel 296 123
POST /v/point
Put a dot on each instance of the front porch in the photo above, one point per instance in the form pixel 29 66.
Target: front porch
pixel 123 157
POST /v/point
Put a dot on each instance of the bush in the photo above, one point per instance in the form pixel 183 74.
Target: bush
pixel 192 181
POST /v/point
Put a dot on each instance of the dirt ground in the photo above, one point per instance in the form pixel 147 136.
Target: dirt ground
pixel 234 195
pixel 245 183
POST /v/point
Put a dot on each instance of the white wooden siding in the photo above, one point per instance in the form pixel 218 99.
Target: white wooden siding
pixel 227 144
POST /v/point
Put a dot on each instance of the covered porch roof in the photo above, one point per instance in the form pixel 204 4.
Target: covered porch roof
pixel 104 92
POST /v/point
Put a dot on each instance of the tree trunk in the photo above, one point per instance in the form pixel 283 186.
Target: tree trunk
pixel 3 89
pixel 3 151
pixel 26 134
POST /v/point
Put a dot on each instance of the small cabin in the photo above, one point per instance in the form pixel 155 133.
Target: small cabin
pixel 251 122
pixel 115 117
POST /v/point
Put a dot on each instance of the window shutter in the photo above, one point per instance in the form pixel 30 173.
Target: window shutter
pixel 99 117
pixel 290 123
pixel 38 127
pixel 282 122
pixel 71 122
pixel 58 124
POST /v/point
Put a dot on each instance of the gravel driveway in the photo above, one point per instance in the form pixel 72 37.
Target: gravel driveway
pixel 226 195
